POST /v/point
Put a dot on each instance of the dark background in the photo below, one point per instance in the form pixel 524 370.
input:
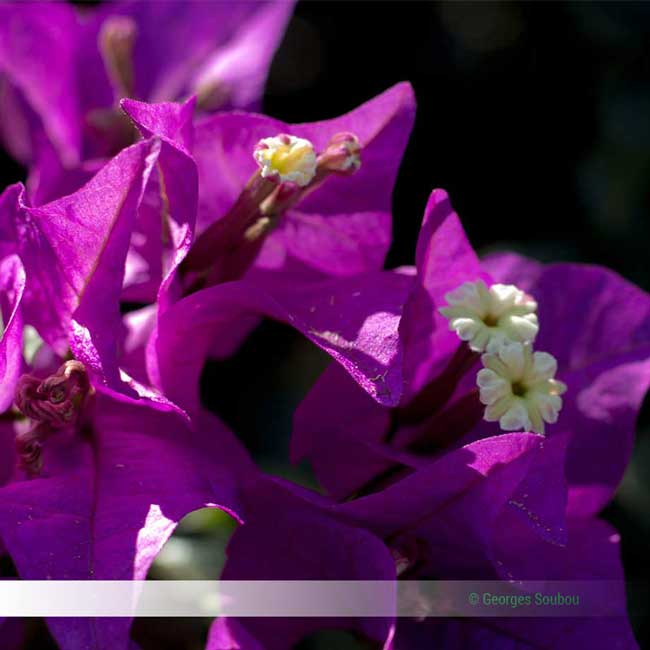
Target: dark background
pixel 535 117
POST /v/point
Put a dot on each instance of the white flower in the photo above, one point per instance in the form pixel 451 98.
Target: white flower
pixel 519 388
pixel 489 318
pixel 286 158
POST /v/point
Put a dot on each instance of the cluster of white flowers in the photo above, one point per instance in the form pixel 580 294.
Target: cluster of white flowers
pixel 517 385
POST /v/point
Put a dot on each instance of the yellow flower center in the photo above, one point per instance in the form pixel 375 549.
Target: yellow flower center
pixel 286 158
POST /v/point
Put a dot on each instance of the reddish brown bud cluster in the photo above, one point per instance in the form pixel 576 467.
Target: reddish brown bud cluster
pixel 52 403
pixel 29 447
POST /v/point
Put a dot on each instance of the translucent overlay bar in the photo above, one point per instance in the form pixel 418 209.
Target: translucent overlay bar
pixel 341 599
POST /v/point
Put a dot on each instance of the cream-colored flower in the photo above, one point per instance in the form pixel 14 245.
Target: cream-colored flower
pixel 286 158
pixel 519 388
pixel 487 318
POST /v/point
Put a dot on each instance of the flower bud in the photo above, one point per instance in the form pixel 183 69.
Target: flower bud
pixel 116 41
pixel 342 155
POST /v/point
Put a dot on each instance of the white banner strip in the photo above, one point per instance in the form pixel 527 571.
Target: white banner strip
pixel 340 599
